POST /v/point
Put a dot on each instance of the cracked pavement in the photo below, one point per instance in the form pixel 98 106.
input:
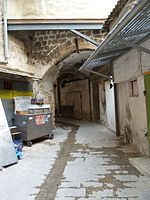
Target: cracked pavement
pixel 84 161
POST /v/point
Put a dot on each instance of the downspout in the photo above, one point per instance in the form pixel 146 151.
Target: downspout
pixel 89 84
pixel 5 34
pixel 117 120
pixel 116 110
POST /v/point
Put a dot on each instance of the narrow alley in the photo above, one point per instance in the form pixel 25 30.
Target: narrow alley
pixel 84 161
pixel 75 100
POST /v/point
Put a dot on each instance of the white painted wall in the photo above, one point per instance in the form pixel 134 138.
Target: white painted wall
pixel 132 110
pixel 7 150
pixel 145 58
pixel 60 9
pixel 132 64
pixel 110 106
pixel 127 67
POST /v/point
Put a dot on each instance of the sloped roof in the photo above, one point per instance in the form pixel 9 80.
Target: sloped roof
pixel 115 13
pixel 128 33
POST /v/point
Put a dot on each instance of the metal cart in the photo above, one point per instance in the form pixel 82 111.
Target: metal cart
pixel 35 125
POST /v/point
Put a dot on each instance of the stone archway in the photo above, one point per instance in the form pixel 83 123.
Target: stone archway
pixel 49 51
pixel 57 55
pixel 44 87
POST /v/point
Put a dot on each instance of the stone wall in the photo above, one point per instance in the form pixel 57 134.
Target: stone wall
pixel 51 47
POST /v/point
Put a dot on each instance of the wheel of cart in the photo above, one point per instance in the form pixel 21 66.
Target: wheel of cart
pixel 29 143
pixel 51 136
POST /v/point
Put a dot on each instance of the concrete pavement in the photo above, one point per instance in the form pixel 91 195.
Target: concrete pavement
pixel 84 161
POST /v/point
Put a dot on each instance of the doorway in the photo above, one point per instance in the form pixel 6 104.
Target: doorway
pixel 74 99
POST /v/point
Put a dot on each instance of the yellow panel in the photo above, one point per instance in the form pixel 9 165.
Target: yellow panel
pixel 22 93
pixel 6 94
pixel 9 94
pixel 146 73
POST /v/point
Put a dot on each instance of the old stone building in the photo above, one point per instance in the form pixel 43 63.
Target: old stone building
pixel 40 49
pixel 126 48
pixel 44 52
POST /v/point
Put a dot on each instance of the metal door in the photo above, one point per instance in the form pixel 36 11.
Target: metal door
pixel 75 99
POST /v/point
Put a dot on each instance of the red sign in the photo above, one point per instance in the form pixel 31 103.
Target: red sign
pixel 40 119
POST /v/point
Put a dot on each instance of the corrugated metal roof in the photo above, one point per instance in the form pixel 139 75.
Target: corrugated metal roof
pixel 133 28
pixel 115 13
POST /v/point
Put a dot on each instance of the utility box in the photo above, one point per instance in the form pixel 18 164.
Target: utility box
pixel 36 124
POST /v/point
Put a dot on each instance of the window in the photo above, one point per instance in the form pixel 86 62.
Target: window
pixel 133 88
pixel 7 85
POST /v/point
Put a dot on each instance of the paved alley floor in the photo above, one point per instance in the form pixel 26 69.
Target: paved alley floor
pixel 84 161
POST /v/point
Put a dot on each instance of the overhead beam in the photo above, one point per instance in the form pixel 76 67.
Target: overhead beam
pixel 54 26
pixel 133 45
pixel 54 21
pixel 85 37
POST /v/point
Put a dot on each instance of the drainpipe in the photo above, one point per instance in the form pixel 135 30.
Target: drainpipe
pixel 5 34
pixel 116 111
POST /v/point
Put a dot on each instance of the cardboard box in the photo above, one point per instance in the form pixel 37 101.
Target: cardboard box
pixel 21 112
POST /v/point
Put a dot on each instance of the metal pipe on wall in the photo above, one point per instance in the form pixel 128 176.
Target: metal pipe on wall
pixel 5 35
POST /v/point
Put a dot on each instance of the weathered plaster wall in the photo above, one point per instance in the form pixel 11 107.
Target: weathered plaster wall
pixel 78 86
pixel 59 9
pixel 132 110
pixel 18 59
pixel 106 105
pixel 127 67
pixel 145 58
pixel 110 106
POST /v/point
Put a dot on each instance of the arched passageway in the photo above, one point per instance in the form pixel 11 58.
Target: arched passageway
pixel 72 90
pixel 70 93
pixel 66 88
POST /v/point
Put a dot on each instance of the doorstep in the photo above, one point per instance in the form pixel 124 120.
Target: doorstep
pixel 142 164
